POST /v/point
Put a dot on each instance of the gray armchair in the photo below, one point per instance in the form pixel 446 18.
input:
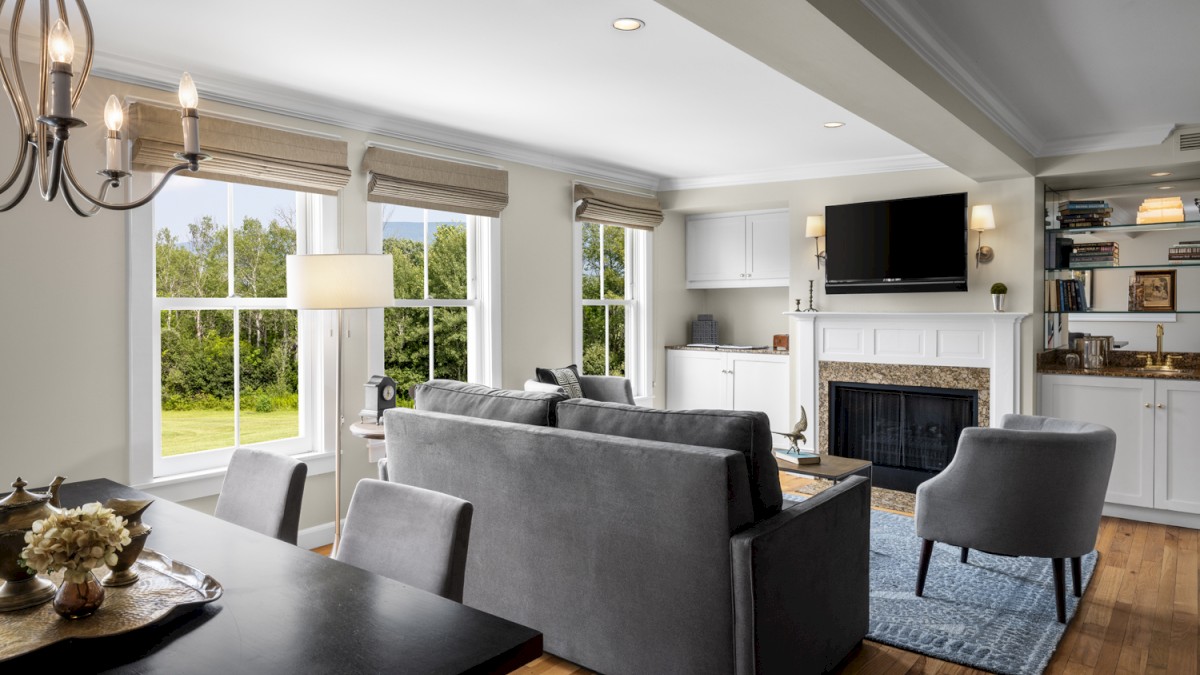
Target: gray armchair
pixel 595 387
pixel 1034 486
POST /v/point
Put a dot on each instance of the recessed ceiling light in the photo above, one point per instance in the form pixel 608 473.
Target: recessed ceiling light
pixel 1166 187
pixel 628 23
pixel 1160 174
pixel 834 125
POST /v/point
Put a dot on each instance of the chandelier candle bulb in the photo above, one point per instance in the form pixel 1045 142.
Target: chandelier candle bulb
pixel 189 99
pixel 62 51
pixel 114 117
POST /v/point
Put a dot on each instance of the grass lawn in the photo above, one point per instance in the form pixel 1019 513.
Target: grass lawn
pixel 185 431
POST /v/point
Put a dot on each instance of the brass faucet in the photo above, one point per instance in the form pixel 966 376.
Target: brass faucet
pixel 1156 361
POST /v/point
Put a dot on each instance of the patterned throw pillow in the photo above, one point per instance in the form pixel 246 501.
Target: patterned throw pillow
pixel 567 378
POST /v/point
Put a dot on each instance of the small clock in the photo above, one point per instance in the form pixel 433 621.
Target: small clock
pixel 380 396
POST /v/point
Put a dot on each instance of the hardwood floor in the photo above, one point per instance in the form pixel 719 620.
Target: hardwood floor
pixel 1139 614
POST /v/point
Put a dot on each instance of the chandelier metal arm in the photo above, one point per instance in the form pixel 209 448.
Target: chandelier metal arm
pixel 110 180
pixel 29 168
pixel 16 87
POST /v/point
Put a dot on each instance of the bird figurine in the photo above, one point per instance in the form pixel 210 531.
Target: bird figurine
pixel 797 434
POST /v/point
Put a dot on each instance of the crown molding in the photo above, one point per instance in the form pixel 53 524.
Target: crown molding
pixel 1145 136
pixel 807 172
pixel 291 103
pixel 913 25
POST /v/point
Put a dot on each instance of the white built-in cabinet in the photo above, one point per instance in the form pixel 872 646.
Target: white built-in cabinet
pixel 730 381
pixel 1157 423
pixel 738 250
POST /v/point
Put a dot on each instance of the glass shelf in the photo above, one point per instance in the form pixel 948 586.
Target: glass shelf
pixel 1125 229
pixel 1089 268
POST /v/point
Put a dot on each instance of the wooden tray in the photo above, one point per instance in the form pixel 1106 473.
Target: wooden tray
pixel 164 586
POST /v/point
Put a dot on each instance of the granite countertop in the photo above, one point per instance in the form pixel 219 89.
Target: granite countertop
pixel 724 348
pixel 1121 364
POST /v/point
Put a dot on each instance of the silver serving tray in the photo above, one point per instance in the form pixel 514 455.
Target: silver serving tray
pixel 164 586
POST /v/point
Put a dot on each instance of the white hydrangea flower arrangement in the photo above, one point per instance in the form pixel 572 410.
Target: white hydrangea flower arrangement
pixel 76 541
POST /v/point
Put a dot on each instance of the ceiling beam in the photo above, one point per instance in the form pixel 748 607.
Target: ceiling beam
pixel 840 50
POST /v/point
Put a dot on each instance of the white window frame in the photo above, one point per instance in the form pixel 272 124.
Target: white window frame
pixel 199 474
pixel 482 302
pixel 639 353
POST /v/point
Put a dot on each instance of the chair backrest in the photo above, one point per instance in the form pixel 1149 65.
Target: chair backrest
pixel 410 534
pixel 262 491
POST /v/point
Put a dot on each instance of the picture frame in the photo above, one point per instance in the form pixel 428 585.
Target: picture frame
pixel 1153 291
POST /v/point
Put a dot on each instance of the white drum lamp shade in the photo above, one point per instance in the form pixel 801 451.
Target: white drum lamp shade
pixel 814 227
pixel 339 281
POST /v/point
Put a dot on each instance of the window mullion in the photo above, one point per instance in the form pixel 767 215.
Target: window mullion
pixel 237 378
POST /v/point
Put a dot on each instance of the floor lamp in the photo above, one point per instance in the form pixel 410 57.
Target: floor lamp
pixel 339 281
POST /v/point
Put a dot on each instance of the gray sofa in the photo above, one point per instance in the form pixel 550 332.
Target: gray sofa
pixel 632 554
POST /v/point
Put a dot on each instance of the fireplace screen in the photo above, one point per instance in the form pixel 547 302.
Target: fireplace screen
pixel 908 428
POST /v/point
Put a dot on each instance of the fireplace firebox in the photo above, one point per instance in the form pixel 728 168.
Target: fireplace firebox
pixel 908 433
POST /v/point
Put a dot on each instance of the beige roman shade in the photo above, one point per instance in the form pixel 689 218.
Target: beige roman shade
pixel 610 207
pixel 424 182
pixel 241 152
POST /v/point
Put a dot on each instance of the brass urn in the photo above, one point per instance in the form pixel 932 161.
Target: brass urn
pixel 18 512
pixel 122 573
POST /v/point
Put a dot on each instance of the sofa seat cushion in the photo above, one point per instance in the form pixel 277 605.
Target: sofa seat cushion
pixel 746 432
pixel 477 400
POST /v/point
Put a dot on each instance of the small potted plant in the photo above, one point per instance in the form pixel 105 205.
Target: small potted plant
pixel 999 290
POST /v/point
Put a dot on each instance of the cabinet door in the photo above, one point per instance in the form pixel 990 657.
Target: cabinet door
pixel 696 380
pixel 1125 405
pixel 1177 445
pixel 760 382
pixel 768 248
pixel 716 251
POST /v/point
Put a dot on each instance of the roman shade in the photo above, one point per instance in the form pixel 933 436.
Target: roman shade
pixel 610 207
pixel 426 182
pixel 241 152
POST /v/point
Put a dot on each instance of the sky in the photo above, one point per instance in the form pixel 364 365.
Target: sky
pixel 184 200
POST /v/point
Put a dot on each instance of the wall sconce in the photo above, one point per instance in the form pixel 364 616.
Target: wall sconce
pixel 814 228
pixel 982 219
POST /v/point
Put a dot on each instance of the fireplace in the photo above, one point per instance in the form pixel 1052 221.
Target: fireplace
pixel 909 433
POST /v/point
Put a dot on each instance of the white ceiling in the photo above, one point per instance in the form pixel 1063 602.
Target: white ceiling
pixel 543 81
pixel 1063 76
pixel 551 83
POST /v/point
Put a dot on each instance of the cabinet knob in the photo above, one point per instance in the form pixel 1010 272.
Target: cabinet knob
pixel 1147 405
pixel 1160 406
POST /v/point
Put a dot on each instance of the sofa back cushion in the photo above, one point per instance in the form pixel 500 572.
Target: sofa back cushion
pixel 746 432
pixel 477 400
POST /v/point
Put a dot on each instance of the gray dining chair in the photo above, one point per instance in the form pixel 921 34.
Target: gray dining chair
pixel 262 491
pixel 410 534
pixel 1033 487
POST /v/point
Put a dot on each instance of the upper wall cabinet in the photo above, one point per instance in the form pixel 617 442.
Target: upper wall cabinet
pixel 738 250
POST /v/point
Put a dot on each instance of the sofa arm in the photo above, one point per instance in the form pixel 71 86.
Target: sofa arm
pixel 607 388
pixel 383 472
pixel 800 583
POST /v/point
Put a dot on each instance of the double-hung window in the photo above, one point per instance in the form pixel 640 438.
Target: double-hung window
pixel 612 309
pixel 443 321
pixel 226 363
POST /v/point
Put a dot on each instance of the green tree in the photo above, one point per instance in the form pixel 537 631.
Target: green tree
pixel 608 261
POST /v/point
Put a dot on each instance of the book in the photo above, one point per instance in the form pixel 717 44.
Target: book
pixel 798 459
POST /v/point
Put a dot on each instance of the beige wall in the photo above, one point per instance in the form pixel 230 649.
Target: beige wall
pixel 751 316
pixel 64 406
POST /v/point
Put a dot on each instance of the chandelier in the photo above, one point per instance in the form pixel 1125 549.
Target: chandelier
pixel 43 146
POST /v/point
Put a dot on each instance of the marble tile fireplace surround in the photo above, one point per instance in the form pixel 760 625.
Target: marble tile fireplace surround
pixel 974 351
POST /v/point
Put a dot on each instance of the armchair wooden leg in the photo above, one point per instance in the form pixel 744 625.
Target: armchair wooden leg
pixel 1060 590
pixel 962 557
pixel 1077 577
pixel 926 551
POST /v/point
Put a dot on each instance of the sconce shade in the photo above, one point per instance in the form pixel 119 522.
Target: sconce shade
pixel 982 218
pixel 339 281
pixel 814 227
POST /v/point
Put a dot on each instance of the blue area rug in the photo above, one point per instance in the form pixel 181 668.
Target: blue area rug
pixel 994 613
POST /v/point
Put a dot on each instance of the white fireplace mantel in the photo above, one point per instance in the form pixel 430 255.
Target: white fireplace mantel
pixel 989 340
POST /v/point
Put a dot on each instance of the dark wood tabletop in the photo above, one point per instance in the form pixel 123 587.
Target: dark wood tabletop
pixel 831 467
pixel 285 610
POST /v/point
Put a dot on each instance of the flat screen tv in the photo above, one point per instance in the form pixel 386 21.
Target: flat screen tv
pixel 918 244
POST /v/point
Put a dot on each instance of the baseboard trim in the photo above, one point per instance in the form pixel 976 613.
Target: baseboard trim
pixel 1174 518
pixel 316 536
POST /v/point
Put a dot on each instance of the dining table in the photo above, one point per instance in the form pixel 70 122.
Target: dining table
pixel 282 609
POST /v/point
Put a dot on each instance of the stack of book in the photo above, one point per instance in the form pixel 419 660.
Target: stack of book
pixel 1160 210
pixel 1065 295
pixel 1084 213
pixel 1185 250
pixel 1095 254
